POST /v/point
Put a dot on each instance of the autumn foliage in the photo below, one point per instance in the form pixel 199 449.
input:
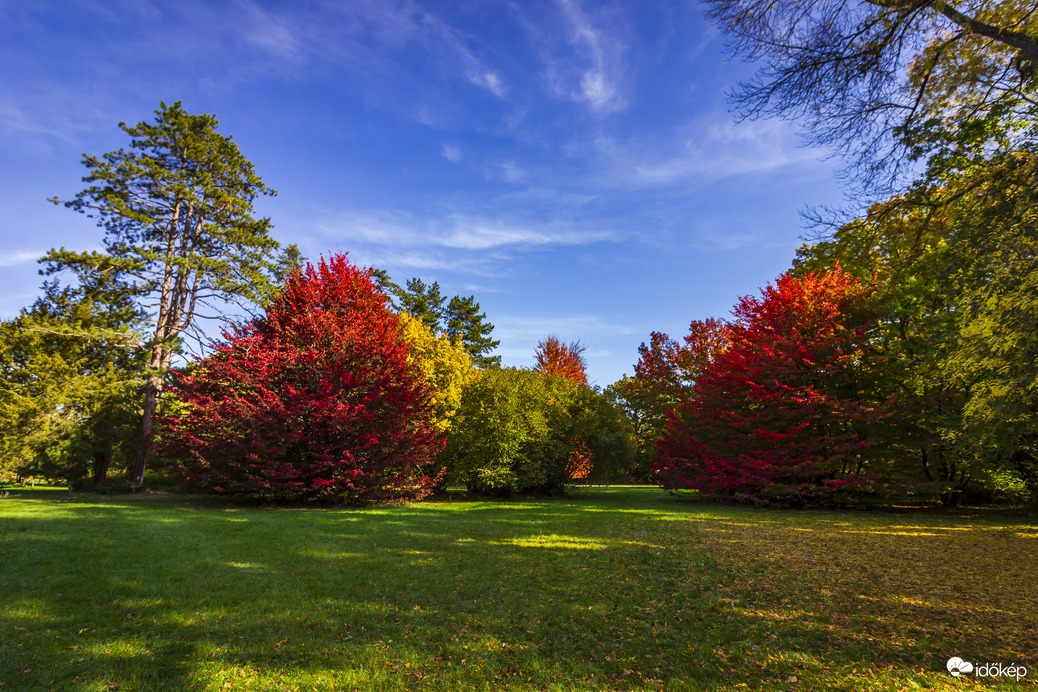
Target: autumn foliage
pixel 315 400
pixel 557 359
pixel 663 377
pixel 783 414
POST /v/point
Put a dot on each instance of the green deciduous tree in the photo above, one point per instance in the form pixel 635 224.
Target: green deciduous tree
pixel 955 270
pixel 180 233
pixel 517 431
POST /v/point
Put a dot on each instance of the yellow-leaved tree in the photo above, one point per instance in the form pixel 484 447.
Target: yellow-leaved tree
pixel 445 364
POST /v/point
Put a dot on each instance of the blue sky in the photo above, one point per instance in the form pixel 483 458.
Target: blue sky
pixel 572 164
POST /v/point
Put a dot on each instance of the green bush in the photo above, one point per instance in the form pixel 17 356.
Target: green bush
pixel 516 430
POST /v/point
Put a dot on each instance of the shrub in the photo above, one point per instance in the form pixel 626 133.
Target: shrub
pixel 518 430
pixel 313 401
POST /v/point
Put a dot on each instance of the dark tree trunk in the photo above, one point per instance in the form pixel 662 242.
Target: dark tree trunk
pixel 151 404
pixel 102 459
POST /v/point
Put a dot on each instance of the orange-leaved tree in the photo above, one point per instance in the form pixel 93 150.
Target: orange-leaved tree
pixel 557 359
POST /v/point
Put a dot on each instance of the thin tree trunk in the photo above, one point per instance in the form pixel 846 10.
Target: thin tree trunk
pixel 152 389
pixel 140 458
pixel 102 459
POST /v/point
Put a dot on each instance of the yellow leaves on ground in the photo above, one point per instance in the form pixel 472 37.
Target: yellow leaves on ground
pixel 893 584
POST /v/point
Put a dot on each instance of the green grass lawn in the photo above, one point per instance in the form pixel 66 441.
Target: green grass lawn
pixel 615 588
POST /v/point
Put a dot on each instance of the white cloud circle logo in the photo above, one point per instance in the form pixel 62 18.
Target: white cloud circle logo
pixel 956 666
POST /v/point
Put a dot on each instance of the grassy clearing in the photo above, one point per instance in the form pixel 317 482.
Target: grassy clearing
pixel 613 589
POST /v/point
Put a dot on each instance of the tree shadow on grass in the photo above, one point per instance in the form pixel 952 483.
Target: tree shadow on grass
pixel 529 595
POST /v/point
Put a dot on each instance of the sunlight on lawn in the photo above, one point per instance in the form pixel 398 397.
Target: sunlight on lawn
pixel 627 590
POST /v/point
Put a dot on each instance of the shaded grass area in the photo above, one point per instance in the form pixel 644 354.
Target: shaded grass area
pixel 616 588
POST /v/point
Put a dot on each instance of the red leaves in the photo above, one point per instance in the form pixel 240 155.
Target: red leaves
pixel 780 415
pixel 557 359
pixel 315 400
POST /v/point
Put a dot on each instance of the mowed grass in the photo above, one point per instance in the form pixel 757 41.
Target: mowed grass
pixel 614 588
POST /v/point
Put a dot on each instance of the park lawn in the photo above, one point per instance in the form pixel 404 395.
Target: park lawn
pixel 614 588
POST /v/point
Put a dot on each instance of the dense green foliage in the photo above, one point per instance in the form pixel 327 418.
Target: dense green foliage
pixel 71 368
pixel 464 321
pixel 517 430
pixel 956 273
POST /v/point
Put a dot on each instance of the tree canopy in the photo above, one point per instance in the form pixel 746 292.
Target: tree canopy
pixel 70 368
pixel 444 362
pixel 316 400
pixel 875 78
pixel 518 430
pixel 784 414
pixel 459 319
pixel 955 271
pixel 557 359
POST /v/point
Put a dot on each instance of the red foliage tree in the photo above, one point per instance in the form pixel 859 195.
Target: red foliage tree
pixel 555 358
pixel 784 414
pixel 667 369
pixel 313 401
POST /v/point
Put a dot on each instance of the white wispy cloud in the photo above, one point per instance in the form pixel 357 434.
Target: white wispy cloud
pixel 275 35
pixel 566 327
pixel 10 258
pixel 723 148
pixel 512 172
pixel 451 152
pixel 700 152
pixel 47 124
pixel 482 234
pixel 489 80
pixel 460 243
pixel 595 80
pixel 456 232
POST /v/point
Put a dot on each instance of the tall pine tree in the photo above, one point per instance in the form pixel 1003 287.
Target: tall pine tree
pixel 179 232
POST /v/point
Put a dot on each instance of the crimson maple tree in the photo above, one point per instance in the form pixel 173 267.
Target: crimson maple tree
pixel 315 400
pixel 785 414
pixel 555 358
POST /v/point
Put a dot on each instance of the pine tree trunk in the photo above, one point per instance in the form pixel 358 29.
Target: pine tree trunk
pixel 159 363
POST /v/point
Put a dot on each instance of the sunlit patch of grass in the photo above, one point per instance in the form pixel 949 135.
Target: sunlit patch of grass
pixel 628 589
pixel 555 541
